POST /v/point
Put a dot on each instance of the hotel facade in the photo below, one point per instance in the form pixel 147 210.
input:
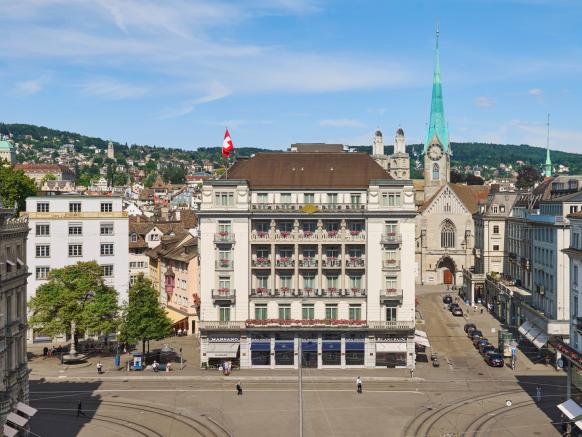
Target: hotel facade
pixel 307 258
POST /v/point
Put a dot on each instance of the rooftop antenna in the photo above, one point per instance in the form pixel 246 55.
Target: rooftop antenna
pixel 548 135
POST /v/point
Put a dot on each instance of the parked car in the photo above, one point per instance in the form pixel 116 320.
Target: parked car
pixel 453 306
pixel 476 341
pixel 482 342
pixel 470 331
pixel 475 333
pixel 458 312
pixel 448 299
pixel 469 325
pixel 494 360
pixel 487 349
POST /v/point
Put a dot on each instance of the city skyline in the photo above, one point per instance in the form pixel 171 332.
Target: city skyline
pixel 177 74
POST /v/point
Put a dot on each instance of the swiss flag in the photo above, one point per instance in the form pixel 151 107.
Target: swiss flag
pixel 227 145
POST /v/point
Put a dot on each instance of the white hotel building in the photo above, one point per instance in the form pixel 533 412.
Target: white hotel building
pixel 312 251
pixel 66 229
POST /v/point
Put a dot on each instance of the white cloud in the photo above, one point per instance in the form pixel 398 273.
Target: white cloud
pixel 484 102
pixel 536 92
pixel 214 91
pixel 112 89
pixel 31 86
pixel 341 122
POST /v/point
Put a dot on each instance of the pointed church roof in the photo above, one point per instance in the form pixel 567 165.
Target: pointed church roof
pixel 548 165
pixel 437 125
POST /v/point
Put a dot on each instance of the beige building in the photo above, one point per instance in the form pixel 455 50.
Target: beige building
pixel 37 172
pixel 7 152
pixel 13 367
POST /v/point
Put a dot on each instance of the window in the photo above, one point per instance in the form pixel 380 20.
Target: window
pixel 42 273
pixel 435 172
pixel 224 199
pixel 75 207
pixel 355 252
pixel 260 311
pixel 332 226
pixel 496 247
pixel 263 198
pixel 285 281
pixel 106 249
pixel 309 226
pixel 263 253
pixel 575 275
pixel 224 227
pixel 331 311
pixel 224 282
pixel 355 312
pixel 43 250
pixel 447 234
pixel 106 228
pixel 106 207
pixel 224 313
pixel 390 313
pixel 502 208
pixel 332 280
pixel 286 198
pixel 332 198
pixel 107 270
pixel 308 312
pixel 355 281
pixel 42 207
pixel 285 311
pixel 391 228
pixel 355 199
pixel 134 237
pixel 391 199
pixel 309 198
pixel 496 229
pixel 356 226
pixel 391 282
pixel 75 250
pixel 262 226
pixel 262 281
pixel 285 226
pixel 43 230
pixel 75 229
pixel 308 280
pixel 137 265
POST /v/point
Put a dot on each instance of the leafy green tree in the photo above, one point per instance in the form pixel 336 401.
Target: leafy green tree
pixel 48 177
pixel 75 294
pixel 15 186
pixel 174 175
pixel 144 318
pixel 527 176
pixel 119 179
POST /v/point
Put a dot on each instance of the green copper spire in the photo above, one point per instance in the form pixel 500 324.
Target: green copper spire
pixel 548 170
pixel 437 125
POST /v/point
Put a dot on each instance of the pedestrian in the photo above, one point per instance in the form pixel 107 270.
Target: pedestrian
pixel 80 410
pixel 168 367
pixel 155 366
pixel 538 394
pixel 481 310
pixel 99 368
pixel 239 391
pixel 359 384
pixel 411 372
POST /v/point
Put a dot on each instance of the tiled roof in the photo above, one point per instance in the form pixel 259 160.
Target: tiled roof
pixel 471 195
pixel 43 167
pixel 287 170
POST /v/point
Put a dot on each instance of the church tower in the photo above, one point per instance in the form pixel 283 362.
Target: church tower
pixel 400 161
pixel 437 150
pixel 110 151
pixel 548 167
pixel 378 150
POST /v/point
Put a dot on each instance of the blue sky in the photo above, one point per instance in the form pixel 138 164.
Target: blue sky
pixel 176 72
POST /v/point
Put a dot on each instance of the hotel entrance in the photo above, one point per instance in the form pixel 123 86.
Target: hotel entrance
pixel 309 353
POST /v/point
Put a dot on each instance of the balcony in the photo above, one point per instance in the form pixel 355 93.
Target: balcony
pixel 261 235
pixel 224 264
pixel 284 235
pixel 308 263
pixel 261 292
pixel 261 263
pixel 283 292
pixel 355 262
pixel 332 234
pixel 224 295
pixel 390 295
pixel 222 326
pixel 355 292
pixel 224 237
pixel 391 264
pixel 391 238
pixel 331 263
pixel 323 208
pixel 308 235
pixel 355 235
pixel 285 263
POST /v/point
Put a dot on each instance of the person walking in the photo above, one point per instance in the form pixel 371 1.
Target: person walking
pixel 155 366
pixel 239 390
pixel 99 368
pixel 538 394
pixel 359 384
pixel 411 372
pixel 80 410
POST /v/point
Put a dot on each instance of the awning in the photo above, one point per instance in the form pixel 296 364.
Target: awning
pixel 541 340
pixel 355 346
pixel 284 346
pixel 331 346
pixel 533 333
pixel 10 262
pixel 26 409
pixel 420 333
pixel 423 341
pixel 571 409
pixel 20 262
pixel 9 431
pixel 390 347
pixel 309 346
pixel 525 327
pixel 222 350
pixel 261 347
pixel 16 419
pixel 175 316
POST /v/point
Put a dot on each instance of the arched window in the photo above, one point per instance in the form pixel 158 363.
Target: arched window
pixel 447 234
pixel 435 172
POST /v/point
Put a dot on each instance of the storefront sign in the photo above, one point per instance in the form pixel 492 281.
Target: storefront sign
pixel 572 354
pixel 390 339
pixel 260 340
pixel 224 339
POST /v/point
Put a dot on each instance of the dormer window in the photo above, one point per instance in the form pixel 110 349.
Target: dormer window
pixel 134 237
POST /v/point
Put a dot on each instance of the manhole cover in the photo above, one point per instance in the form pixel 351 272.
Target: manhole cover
pixel 480 374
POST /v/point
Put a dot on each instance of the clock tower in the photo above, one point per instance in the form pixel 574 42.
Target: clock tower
pixel 437 150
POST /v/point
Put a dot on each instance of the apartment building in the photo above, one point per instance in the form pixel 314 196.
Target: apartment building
pixel 310 252
pixel 66 229
pixel 14 413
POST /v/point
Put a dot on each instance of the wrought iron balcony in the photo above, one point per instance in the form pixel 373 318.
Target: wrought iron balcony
pixel 331 263
pixel 262 292
pixel 355 262
pixel 391 294
pixel 261 263
pixel 224 295
pixel 285 262
pixel 224 237
pixel 309 207
pixel 391 238
pixel 308 263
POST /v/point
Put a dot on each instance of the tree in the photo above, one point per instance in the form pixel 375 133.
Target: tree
pixel 15 186
pixel 75 294
pixel 527 176
pixel 474 180
pixel 456 176
pixel 47 177
pixel 144 318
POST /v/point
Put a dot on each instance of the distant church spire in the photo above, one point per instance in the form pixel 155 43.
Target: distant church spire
pixel 548 170
pixel 436 124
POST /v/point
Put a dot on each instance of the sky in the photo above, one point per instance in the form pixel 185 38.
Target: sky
pixel 275 72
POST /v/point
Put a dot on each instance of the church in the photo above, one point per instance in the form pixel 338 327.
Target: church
pixel 445 231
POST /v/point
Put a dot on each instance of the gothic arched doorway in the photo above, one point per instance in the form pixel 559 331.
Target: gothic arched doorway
pixel 447 268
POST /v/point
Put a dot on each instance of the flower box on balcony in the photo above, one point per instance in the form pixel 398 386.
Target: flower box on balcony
pixel 284 290
pixel 262 234
pixel 390 261
pixel 332 233
pixel 308 289
pixel 285 234
pixel 223 234
pixel 355 290
pixel 355 232
pixel 261 290
pixel 223 290
pixel 391 290
pixel 307 234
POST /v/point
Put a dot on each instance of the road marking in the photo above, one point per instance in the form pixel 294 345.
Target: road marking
pixel 221 390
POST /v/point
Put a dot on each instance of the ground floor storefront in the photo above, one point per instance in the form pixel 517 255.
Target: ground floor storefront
pixel 313 349
pixel 572 407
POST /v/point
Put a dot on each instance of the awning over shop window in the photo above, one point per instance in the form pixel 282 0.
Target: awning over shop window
pixel 533 333
pixel 420 333
pixel 309 346
pixel 9 431
pixel 571 409
pixel 222 350
pixel 176 316
pixel 16 419
pixel 332 346
pixel 355 346
pixel 423 341
pixel 26 409
pixel 541 340
pixel 525 327
pixel 261 347
pixel 390 347
pixel 284 346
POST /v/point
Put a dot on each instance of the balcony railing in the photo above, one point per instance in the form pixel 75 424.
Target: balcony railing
pixel 353 235
pixel 331 263
pixel 316 235
pixel 391 238
pixel 355 262
pixel 309 207
pixel 261 235
pixel 404 325
pixel 279 292
pixel 308 235
pixel 224 237
pixel 262 292
pixel 224 264
pixel 308 263
pixel 388 294
pixel 261 262
pixel 224 294
pixel 215 324
pixel 391 264
pixel 285 263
